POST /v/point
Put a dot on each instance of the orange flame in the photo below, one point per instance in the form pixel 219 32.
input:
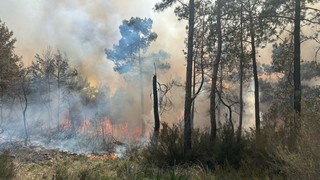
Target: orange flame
pixel 137 132
pixel 104 156
pixel 180 116
pixel 120 131
pixel 85 125
pixel 66 124
pixel 108 125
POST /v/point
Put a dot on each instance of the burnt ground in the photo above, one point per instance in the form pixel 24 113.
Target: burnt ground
pixel 37 162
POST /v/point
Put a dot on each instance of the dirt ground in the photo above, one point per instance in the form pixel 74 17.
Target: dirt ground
pixel 37 162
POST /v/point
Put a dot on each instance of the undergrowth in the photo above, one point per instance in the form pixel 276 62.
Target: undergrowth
pixel 267 156
pixel 6 166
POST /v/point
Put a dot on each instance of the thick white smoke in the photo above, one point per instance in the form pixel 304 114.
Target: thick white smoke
pixel 83 29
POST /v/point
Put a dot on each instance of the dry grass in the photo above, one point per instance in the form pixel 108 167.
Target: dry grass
pixel 267 158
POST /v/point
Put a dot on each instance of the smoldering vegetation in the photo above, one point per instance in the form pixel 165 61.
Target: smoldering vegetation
pixel 61 102
pixel 52 103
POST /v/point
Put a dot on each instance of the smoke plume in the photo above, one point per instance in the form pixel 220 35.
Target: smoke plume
pixel 84 29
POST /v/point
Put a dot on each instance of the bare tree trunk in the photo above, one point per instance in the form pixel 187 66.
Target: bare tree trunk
pixel 230 113
pixel 193 93
pixel 296 58
pixel 58 81
pixel 241 77
pixel 1 107
pixel 155 109
pixel 188 98
pixel 71 118
pixel 49 101
pixel 215 65
pixel 295 125
pixel 58 110
pixel 220 90
pixel 27 138
pixel 142 97
pixel 255 75
pixel 25 120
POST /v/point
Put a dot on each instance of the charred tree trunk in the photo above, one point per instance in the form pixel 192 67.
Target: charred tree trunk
pixel 155 109
pixel 188 98
pixel 241 77
pixel 214 77
pixel 255 75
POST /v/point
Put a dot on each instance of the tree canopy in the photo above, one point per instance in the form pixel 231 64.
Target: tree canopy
pixel 9 61
pixel 136 35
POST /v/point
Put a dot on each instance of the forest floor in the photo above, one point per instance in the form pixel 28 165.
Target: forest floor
pixel 37 162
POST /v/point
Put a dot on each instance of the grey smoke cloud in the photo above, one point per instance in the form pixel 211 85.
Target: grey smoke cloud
pixel 83 29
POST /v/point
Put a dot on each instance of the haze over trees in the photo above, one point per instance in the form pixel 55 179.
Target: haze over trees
pixel 129 54
pixel 259 117
pixel 240 29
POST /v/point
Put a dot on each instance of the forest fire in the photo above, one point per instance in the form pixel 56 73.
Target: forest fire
pixel 102 128
pixel 103 156
pixel 66 124
pixel 129 84
pixel 85 125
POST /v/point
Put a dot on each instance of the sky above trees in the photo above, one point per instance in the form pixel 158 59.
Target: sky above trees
pixel 83 29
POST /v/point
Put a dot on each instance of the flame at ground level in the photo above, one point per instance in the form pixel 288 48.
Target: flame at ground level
pixel 103 156
pixel 103 128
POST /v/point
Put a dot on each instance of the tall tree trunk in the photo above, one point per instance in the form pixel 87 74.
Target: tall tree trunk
pixel 296 58
pixel 230 114
pixel 214 77
pixel 193 93
pixel 241 76
pixel 255 75
pixel 58 110
pixel 26 139
pixel 49 101
pixel 1 106
pixel 295 125
pixel 219 106
pixel 59 94
pixel 141 97
pixel 188 98
pixel 155 109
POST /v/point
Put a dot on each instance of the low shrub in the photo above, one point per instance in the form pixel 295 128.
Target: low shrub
pixel 168 149
pixel 6 166
pixel 254 157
